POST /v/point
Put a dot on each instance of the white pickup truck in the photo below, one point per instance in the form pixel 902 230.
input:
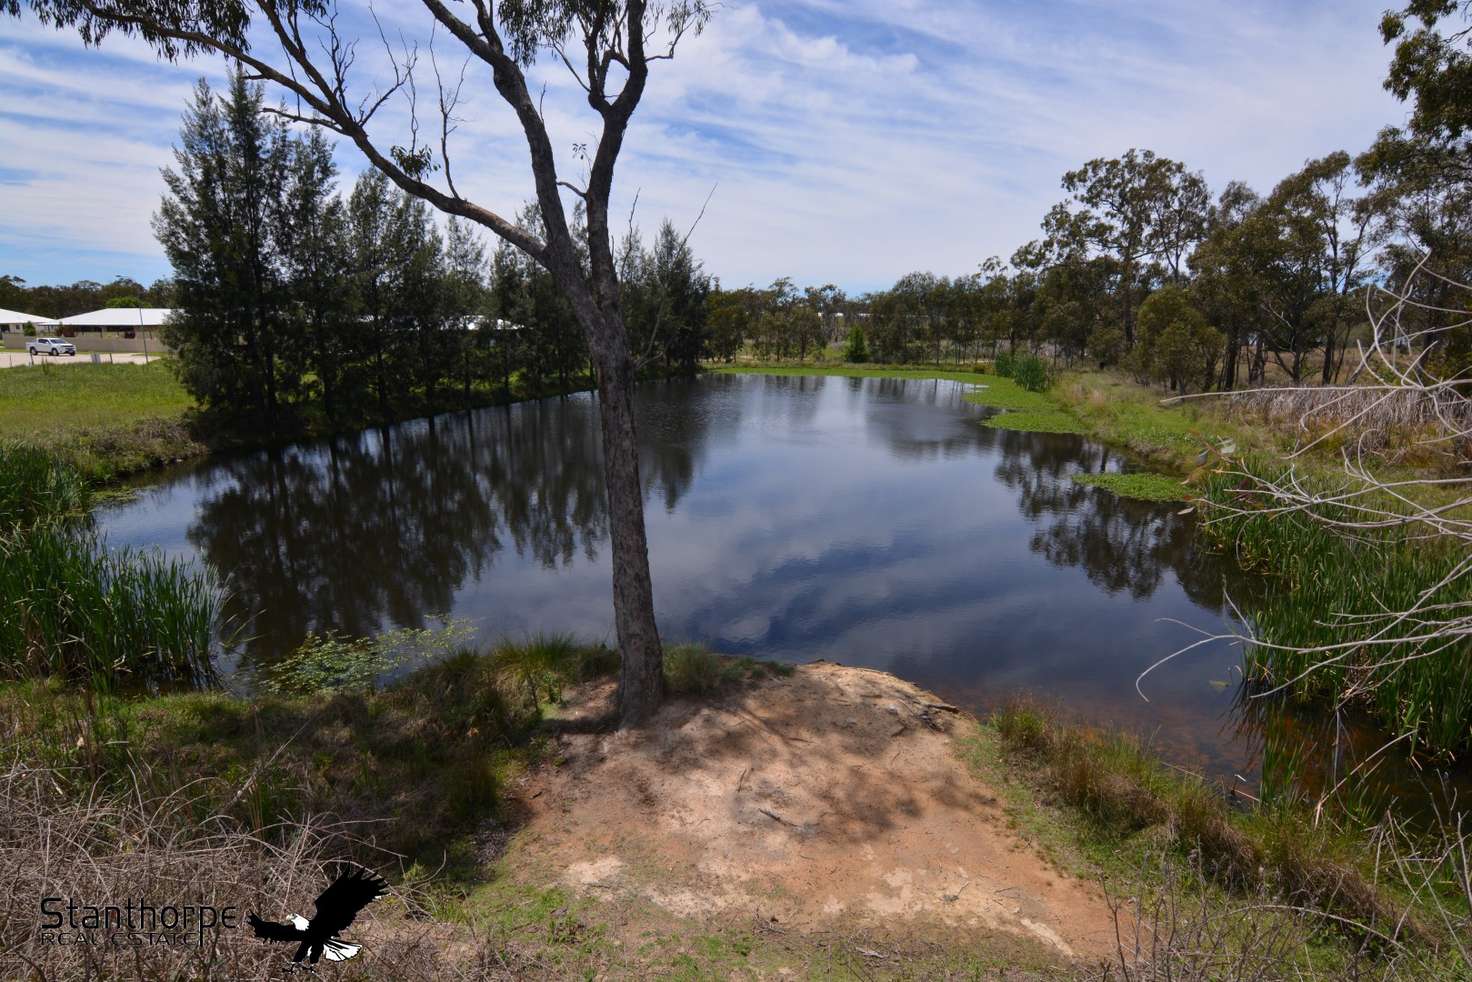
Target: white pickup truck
pixel 50 346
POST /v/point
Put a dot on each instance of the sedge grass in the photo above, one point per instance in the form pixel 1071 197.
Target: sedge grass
pixel 75 609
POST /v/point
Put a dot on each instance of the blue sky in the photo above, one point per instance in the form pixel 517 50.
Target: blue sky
pixel 846 140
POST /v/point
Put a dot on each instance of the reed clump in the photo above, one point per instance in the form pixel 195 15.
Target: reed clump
pixel 1323 622
pixel 1126 790
pixel 75 609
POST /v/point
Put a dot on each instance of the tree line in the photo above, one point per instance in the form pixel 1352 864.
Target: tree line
pixel 58 301
pixel 294 298
pixel 1140 266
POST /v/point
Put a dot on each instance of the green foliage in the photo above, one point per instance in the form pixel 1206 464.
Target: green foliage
pixel 1004 363
pixel 1320 587
pixel 539 667
pixel 118 619
pixel 35 484
pixel 75 609
pixel 1031 373
pixel 665 300
pixel 856 349
pixel 77 298
pixel 1142 486
pixel 692 670
pixel 1106 344
pixel 430 751
pixel 1175 346
pixel 1028 371
pixel 1123 790
pixel 332 662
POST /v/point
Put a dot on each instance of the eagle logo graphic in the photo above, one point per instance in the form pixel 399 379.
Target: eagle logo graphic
pixel 336 907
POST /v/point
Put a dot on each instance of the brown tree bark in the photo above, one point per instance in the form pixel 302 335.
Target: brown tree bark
pixel 641 665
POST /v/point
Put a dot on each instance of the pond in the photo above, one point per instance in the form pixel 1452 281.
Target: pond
pixel 874 522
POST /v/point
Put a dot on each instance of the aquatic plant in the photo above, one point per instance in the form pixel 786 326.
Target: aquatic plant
pixel 1324 630
pixel 76 610
pixel 34 484
pixel 1143 486
pixel 335 662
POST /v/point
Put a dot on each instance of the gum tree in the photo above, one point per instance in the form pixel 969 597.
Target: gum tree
pixel 302 48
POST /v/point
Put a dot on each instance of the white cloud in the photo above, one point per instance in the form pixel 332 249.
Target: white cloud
pixel 847 141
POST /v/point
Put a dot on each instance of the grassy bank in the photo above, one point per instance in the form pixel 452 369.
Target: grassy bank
pixel 112 421
pixel 1228 888
pixel 422 780
pixel 107 420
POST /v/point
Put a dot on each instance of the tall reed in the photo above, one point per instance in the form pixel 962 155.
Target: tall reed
pixel 1323 592
pixel 74 609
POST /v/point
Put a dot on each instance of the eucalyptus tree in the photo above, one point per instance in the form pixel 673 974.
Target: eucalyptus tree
pixel 1177 347
pixel 1135 209
pixel 1432 68
pixel 1321 205
pixel 731 317
pixel 1312 237
pixel 829 301
pixel 608 46
pixel 1227 285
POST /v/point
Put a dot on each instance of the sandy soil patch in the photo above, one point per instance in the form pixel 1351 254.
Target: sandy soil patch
pixel 831 799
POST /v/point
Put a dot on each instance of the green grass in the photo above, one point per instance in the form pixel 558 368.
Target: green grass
pixel 692 670
pixel 37 402
pixel 1143 485
pixel 1103 805
pixel 431 753
pixel 1310 576
pixel 107 420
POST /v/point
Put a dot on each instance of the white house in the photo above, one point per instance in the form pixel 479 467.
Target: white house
pixel 119 319
pixel 14 321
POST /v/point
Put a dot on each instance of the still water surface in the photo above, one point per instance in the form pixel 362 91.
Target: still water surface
pixel 868 521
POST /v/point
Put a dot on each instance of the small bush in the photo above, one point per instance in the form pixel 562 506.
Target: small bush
pixel 1028 371
pixel 856 350
pixel 1031 372
pixel 691 670
pixel 542 665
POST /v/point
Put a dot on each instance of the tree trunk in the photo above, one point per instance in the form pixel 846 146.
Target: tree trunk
pixel 641 675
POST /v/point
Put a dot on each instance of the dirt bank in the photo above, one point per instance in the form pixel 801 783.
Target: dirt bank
pixel 831 800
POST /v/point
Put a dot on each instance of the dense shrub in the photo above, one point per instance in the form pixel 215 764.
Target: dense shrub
pixel 1031 372
pixel 856 350
pixel 1028 371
